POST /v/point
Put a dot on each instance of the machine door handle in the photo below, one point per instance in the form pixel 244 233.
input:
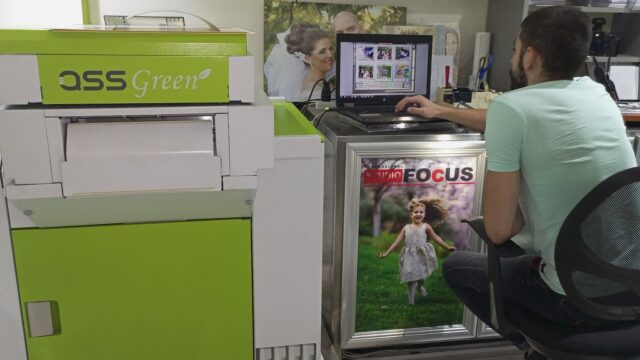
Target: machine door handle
pixel 43 318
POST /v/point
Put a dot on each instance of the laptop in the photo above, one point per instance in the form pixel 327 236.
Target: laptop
pixel 375 71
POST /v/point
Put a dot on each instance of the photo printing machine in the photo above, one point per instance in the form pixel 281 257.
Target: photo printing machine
pixel 152 205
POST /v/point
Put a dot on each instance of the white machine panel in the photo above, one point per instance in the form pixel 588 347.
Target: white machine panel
pixel 250 138
pixel 242 79
pixel 171 172
pixel 23 139
pixel 110 111
pixel 19 79
pixel 287 284
pixel 11 333
pixel 56 133
pixel 21 192
pixel 239 182
pixel 140 156
pixel 132 207
pixel 100 140
pixel 222 141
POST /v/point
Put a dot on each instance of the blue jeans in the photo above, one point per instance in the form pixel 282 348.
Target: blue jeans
pixel 467 275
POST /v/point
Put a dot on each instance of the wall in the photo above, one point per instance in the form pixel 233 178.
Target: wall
pixel 40 13
pixel 248 14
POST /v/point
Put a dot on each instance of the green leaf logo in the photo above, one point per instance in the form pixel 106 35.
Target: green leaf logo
pixel 204 74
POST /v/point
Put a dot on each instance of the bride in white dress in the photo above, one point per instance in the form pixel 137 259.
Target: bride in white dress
pixel 309 57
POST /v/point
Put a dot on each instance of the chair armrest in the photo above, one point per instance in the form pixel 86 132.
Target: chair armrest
pixel 507 250
pixel 494 253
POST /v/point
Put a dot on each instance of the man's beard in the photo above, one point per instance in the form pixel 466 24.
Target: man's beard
pixel 518 80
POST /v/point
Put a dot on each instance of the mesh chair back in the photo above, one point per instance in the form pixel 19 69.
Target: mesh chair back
pixel 597 253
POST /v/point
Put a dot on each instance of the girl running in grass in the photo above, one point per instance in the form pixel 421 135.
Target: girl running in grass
pixel 418 257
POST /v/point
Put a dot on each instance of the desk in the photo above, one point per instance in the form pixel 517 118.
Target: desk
pixel 364 172
pixel 369 178
pixel 631 117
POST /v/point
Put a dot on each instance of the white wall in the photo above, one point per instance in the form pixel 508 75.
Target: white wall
pixel 40 13
pixel 248 14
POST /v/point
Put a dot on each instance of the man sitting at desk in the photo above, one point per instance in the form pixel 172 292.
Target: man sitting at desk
pixel 548 144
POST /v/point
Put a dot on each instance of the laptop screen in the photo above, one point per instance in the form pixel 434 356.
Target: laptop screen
pixel 381 69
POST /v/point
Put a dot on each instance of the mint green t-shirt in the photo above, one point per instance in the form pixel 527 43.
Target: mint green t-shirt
pixel 565 137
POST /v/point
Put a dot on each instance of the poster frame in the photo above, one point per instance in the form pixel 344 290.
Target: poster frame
pixel 470 327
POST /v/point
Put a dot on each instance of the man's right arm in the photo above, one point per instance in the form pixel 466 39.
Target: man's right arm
pixel 502 214
pixel 471 118
pixel 504 137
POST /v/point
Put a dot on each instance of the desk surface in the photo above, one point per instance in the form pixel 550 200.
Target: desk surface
pixel 337 126
pixel 631 117
pixel 342 128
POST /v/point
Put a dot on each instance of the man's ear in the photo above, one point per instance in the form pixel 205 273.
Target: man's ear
pixel 530 58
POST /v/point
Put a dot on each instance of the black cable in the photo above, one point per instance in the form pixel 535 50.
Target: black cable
pixel 303 110
pixel 325 95
pixel 316 120
pixel 602 76
pixel 463 103
pixel 305 107
pixel 326 91
pixel 313 88
pixel 611 86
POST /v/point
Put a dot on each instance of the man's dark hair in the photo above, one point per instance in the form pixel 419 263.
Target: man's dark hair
pixel 562 35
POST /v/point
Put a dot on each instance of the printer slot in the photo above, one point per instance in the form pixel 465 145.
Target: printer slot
pixel 150 154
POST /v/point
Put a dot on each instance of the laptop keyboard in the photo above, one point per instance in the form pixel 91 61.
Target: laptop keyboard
pixel 371 112
pixel 378 110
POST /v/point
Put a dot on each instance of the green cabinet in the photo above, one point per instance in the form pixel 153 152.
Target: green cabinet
pixel 165 291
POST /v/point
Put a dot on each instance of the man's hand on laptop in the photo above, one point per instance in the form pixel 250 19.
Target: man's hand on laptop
pixel 419 105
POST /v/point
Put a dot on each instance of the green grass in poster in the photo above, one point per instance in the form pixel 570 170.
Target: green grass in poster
pixel 381 299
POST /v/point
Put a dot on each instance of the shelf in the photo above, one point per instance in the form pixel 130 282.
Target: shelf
pixel 595 9
pixel 616 59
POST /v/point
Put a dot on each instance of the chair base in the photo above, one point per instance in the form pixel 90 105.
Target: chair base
pixel 556 341
pixel 557 355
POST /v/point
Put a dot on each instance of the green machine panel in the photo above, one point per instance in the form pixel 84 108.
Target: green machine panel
pixel 127 66
pixel 163 291
pixel 97 79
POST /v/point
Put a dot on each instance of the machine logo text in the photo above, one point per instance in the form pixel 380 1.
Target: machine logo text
pixel 93 80
pixel 143 81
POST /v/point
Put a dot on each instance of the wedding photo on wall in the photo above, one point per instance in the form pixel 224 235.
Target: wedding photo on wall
pixel 299 42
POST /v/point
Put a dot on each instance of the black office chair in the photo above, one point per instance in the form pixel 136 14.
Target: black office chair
pixel 598 262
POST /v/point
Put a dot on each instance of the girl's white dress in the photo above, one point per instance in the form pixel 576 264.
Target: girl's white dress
pixel 418 257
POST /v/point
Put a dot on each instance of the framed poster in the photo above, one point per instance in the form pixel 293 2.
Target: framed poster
pixel 385 300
